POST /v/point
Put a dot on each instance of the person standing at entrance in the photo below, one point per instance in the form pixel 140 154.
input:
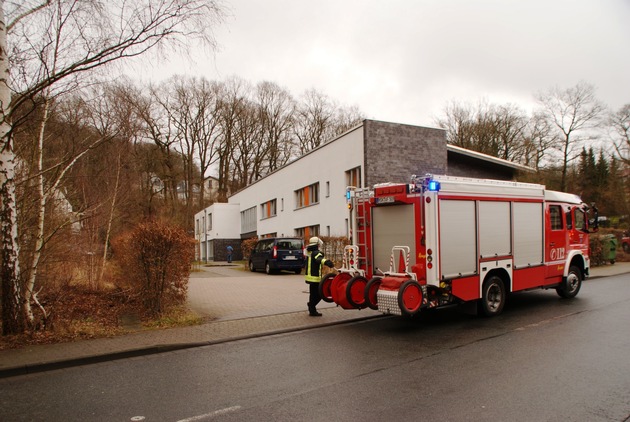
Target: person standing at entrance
pixel 230 249
pixel 315 261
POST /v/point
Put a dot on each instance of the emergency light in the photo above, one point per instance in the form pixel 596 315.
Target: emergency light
pixel 434 185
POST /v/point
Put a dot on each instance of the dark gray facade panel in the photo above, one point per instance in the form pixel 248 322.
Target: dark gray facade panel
pixel 462 166
pixel 393 152
pixel 220 249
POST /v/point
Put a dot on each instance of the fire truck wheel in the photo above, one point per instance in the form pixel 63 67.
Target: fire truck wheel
pixel 570 286
pixel 355 291
pixel 410 298
pixel 370 292
pixel 324 287
pixel 492 296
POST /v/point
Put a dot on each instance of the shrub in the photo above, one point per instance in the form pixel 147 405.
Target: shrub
pixel 601 246
pixel 155 258
pixel 333 248
pixel 247 246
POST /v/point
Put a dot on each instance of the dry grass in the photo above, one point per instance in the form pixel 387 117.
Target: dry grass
pixel 77 313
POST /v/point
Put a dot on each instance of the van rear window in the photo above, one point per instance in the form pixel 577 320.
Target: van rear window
pixel 291 245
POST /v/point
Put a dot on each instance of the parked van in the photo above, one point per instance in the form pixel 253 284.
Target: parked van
pixel 278 253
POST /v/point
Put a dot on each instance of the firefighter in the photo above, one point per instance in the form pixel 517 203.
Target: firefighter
pixel 315 261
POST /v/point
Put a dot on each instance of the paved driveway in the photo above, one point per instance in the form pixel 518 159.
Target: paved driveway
pixel 225 293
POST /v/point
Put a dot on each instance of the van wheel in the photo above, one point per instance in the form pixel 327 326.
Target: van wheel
pixel 251 267
pixel 298 271
pixel 267 268
pixel 492 296
pixel 570 286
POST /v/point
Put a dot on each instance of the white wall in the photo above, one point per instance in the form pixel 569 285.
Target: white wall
pixel 225 225
pixel 328 163
pixel 226 222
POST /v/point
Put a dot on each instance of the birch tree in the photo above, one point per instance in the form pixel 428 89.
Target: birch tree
pixel 90 35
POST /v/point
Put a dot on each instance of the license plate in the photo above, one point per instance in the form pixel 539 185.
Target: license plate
pixel 290 257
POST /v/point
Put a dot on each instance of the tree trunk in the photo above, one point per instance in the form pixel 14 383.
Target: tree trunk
pixel 12 318
pixel 110 219
pixel 41 212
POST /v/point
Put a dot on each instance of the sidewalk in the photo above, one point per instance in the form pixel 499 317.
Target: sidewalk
pixel 243 305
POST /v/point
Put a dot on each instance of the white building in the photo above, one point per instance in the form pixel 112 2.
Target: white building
pixel 307 196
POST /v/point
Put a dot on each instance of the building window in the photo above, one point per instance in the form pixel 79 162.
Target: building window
pixel 353 177
pixel 327 189
pixel 248 220
pixel 209 228
pixel 307 232
pixel 307 196
pixel 268 209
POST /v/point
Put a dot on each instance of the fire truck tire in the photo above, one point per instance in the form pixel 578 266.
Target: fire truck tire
pixel 370 292
pixel 355 291
pixel 410 298
pixel 493 296
pixel 324 287
pixel 570 286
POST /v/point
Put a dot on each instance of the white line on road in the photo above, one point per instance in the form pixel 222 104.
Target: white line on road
pixel 211 414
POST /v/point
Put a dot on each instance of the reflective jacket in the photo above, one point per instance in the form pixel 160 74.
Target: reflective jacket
pixel 314 262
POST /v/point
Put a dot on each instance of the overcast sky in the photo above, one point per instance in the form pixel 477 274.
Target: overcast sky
pixel 404 60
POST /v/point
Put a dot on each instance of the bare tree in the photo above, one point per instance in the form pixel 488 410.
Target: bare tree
pixel 232 95
pixel 573 112
pixel 276 117
pixel 620 124
pixel 511 123
pixel 539 139
pixel 497 130
pixel 84 43
pixel 457 122
pixel 194 116
pixel 204 129
pixel 314 117
pixel 318 119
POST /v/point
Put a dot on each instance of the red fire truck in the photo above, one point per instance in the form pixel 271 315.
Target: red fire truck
pixel 443 240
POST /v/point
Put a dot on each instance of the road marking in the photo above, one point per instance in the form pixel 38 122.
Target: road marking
pixel 211 414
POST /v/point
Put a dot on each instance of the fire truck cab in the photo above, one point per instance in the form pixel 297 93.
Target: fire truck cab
pixel 443 240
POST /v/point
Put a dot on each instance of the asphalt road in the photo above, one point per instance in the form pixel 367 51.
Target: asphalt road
pixel 543 359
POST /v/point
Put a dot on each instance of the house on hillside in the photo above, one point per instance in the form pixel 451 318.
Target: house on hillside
pixel 307 196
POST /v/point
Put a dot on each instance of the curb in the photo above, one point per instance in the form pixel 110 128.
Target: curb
pixel 161 348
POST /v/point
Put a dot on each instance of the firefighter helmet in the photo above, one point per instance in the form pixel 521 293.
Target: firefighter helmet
pixel 315 241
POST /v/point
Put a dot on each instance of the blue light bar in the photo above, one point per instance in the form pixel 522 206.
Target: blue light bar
pixel 348 193
pixel 434 185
